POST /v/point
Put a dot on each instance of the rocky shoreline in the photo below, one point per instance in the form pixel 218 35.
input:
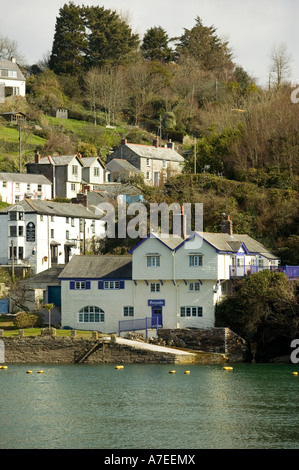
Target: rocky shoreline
pixel 172 346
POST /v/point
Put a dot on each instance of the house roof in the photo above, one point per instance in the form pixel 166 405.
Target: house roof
pixel 119 164
pixel 24 178
pixel 150 151
pixel 159 153
pixel 89 161
pixel 221 242
pixel 61 160
pixel 10 65
pixel 98 267
pixel 62 209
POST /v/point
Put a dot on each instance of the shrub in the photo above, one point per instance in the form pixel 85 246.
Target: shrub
pixel 27 320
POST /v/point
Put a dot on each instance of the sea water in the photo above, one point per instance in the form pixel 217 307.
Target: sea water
pixel 252 406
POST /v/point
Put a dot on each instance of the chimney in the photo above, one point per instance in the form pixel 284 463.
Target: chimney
pixel 81 199
pixel 156 142
pixel 123 141
pixel 37 157
pixel 180 224
pixel 170 145
pixel 13 60
pixel 227 226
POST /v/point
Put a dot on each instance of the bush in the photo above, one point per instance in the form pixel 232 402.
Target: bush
pixel 27 320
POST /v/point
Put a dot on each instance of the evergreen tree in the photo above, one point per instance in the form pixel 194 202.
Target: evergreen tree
pixel 70 41
pixel 110 39
pixel 203 46
pixel 155 45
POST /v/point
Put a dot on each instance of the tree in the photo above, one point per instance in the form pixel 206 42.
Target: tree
pixel 280 64
pixel 263 310
pixel 70 42
pixel 110 39
pixel 155 45
pixel 202 45
pixel 9 48
pixel 49 307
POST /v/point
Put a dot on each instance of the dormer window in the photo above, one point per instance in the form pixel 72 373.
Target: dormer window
pixel 153 260
pixel 195 260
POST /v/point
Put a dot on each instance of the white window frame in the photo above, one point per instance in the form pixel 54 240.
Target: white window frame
pixel 91 314
pixel 155 287
pixel 194 286
pixel 80 285
pixel 195 260
pixel 111 285
pixel 153 261
pixel 191 311
pixel 128 311
pixel 74 170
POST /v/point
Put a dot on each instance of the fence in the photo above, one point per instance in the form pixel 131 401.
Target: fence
pixel 245 270
pixel 146 324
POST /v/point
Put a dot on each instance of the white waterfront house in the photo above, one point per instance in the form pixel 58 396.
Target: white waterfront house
pixel 14 187
pixel 38 234
pixel 172 282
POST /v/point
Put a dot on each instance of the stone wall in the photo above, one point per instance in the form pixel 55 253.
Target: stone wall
pixel 208 340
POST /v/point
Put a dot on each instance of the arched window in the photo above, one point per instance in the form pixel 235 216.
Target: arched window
pixel 91 314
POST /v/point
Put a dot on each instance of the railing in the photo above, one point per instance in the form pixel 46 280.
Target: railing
pixel 139 324
pixel 242 271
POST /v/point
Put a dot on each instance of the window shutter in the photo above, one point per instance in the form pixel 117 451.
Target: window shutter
pixel 72 284
pixel 87 285
pixel 101 285
pixel 121 284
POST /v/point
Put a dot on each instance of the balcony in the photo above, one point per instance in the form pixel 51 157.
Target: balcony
pixel 238 272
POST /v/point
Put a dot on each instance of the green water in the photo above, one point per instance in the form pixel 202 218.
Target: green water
pixel 254 406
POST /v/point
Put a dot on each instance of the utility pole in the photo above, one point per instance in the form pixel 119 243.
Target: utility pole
pixel 194 155
pixel 20 147
pixel 12 262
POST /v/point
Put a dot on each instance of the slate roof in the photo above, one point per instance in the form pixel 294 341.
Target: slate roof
pixel 88 161
pixel 150 151
pixel 60 160
pixel 24 178
pixel 222 242
pixel 98 267
pixel 62 209
pixel 9 65
pixel 119 164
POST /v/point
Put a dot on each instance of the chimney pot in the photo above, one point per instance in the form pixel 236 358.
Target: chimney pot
pixel 37 157
pixel 156 142
pixel 123 141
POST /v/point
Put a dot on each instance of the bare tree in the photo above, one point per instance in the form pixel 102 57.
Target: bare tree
pixel 281 60
pixel 9 48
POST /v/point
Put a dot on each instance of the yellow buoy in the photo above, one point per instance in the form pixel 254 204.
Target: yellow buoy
pixel 29 371
pixel 295 373
pixel 172 371
pixel 3 367
pixel 187 371
pixel 40 371
pixel 119 367
pixel 228 368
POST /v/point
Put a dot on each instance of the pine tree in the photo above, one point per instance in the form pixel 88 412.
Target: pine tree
pixel 203 46
pixel 155 45
pixel 70 41
pixel 110 39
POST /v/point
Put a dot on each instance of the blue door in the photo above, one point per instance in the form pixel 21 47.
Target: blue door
pixel 156 315
pixel 54 295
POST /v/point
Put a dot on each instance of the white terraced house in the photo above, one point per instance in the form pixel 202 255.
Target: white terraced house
pixel 171 282
pixel 36 235
pixel 14 187
pixel 12 80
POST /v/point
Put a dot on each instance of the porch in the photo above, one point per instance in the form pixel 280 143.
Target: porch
pixel 238 272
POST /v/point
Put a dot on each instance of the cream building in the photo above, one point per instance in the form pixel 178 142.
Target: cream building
pixel 171 282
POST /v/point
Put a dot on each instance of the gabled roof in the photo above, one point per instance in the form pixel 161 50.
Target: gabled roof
pixel 62 209
pixel 159 153
pixel 119 164
pixel 61 160
pixel 11 65
pixel 24 178
pixel 221 242
pixel 89 161
pixel 98 267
